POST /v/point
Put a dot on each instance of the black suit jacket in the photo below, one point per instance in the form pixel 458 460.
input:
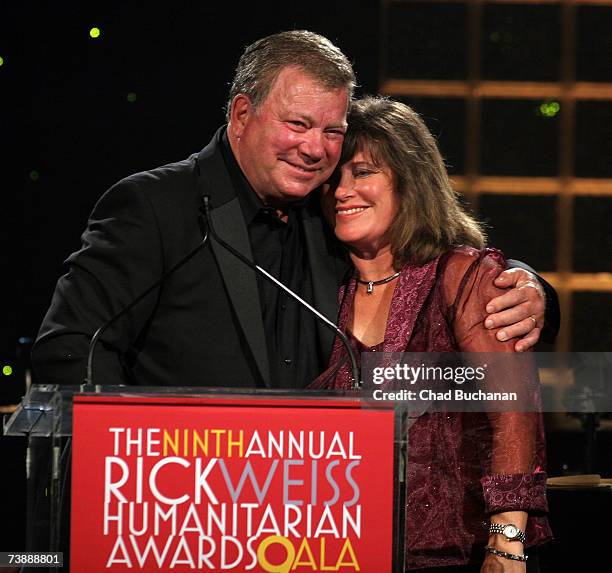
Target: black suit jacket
pixel 203 327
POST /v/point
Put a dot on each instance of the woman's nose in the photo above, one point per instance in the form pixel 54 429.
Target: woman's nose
pixel 344 189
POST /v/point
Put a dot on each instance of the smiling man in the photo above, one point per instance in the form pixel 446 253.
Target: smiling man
pixel 291 144
pixel 213 321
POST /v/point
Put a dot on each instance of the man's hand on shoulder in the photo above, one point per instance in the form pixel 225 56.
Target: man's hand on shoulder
pixel 519 312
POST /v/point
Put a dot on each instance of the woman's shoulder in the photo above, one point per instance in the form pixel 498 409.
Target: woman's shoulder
pixel 462 258
pixel 464 264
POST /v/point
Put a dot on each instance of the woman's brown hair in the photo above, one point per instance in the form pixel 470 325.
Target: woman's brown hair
pixel 430 219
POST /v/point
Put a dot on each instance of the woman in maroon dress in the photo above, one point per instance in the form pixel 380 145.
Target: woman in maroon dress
pixel 422 280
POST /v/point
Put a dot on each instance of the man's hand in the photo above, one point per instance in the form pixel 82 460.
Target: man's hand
pixel 520 311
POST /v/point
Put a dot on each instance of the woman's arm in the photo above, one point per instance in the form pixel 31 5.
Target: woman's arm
pixel 512 479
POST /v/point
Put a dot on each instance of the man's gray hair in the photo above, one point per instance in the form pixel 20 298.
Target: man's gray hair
pixel 262 61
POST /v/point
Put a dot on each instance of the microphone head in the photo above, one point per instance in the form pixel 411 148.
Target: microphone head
pixel 206 207
pixel 205 222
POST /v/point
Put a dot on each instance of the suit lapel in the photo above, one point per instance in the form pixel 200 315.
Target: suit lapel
pixel 240 281
pixel 329 266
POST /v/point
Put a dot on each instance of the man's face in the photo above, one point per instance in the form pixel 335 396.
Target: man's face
pixel 292 143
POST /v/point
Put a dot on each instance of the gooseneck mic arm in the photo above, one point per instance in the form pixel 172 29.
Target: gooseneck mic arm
pixel 280 285
pixel 88 382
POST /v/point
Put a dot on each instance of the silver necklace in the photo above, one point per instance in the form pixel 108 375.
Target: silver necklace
pixel 372 284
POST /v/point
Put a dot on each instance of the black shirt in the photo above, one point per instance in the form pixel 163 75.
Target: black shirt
pixel 280 249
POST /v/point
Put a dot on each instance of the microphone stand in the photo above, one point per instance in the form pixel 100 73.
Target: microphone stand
pixel 88 384
pixel 280 285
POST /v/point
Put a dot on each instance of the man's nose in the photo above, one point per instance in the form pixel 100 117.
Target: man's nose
pixel 312 147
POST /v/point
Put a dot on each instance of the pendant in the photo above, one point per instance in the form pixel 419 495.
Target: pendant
pixel 370 287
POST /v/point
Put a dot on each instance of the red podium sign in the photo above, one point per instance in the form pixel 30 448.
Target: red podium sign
pixel 219 484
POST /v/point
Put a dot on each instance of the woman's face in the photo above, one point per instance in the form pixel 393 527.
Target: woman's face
pixel 360 203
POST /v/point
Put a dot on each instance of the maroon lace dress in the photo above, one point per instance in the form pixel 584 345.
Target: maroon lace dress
pixel 456 478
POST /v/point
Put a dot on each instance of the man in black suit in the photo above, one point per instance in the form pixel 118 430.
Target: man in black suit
pixel 214 321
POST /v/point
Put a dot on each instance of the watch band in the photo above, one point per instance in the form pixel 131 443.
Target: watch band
pixel 509 530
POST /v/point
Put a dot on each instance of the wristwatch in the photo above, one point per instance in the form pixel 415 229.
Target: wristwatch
pixel 509 530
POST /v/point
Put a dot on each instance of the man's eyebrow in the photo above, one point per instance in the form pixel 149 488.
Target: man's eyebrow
pixel 309 119
pixel 303 116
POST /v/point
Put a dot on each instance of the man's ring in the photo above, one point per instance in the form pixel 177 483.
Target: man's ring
pixel 535 322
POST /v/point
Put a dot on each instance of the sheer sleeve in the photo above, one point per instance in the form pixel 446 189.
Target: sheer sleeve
pixel 511 443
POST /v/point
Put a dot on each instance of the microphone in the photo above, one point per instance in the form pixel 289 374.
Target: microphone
pixel 280 285
pixel 88 382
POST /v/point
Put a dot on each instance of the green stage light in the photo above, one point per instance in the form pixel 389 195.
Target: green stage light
pixel 131 97
pixel 1 61
pixel 550 108
pixel 94 33
pixel 34 175
pixel 7 370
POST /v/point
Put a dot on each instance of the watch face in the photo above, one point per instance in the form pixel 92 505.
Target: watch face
pixel 510 531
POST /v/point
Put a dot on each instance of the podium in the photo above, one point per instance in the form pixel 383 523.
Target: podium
pixel 183 479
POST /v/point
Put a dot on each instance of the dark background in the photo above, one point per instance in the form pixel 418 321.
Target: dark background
pixel 79 132
pixel 69 130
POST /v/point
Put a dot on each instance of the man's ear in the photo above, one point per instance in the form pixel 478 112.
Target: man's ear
pixel 241 110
